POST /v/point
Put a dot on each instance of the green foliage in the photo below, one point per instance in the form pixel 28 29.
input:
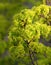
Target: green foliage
pixel 43 15
pixel 3 26
pixel 28 27
pixel 7 11
pixel 6 61
pixel 3 46
pixel 43 53
pixel 17 51
pixel 12 1
pixel 21 1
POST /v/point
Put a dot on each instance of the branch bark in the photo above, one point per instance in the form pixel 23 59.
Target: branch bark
pixel 32 55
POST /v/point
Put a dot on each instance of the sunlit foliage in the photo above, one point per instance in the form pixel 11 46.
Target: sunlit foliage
pixel 28 27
